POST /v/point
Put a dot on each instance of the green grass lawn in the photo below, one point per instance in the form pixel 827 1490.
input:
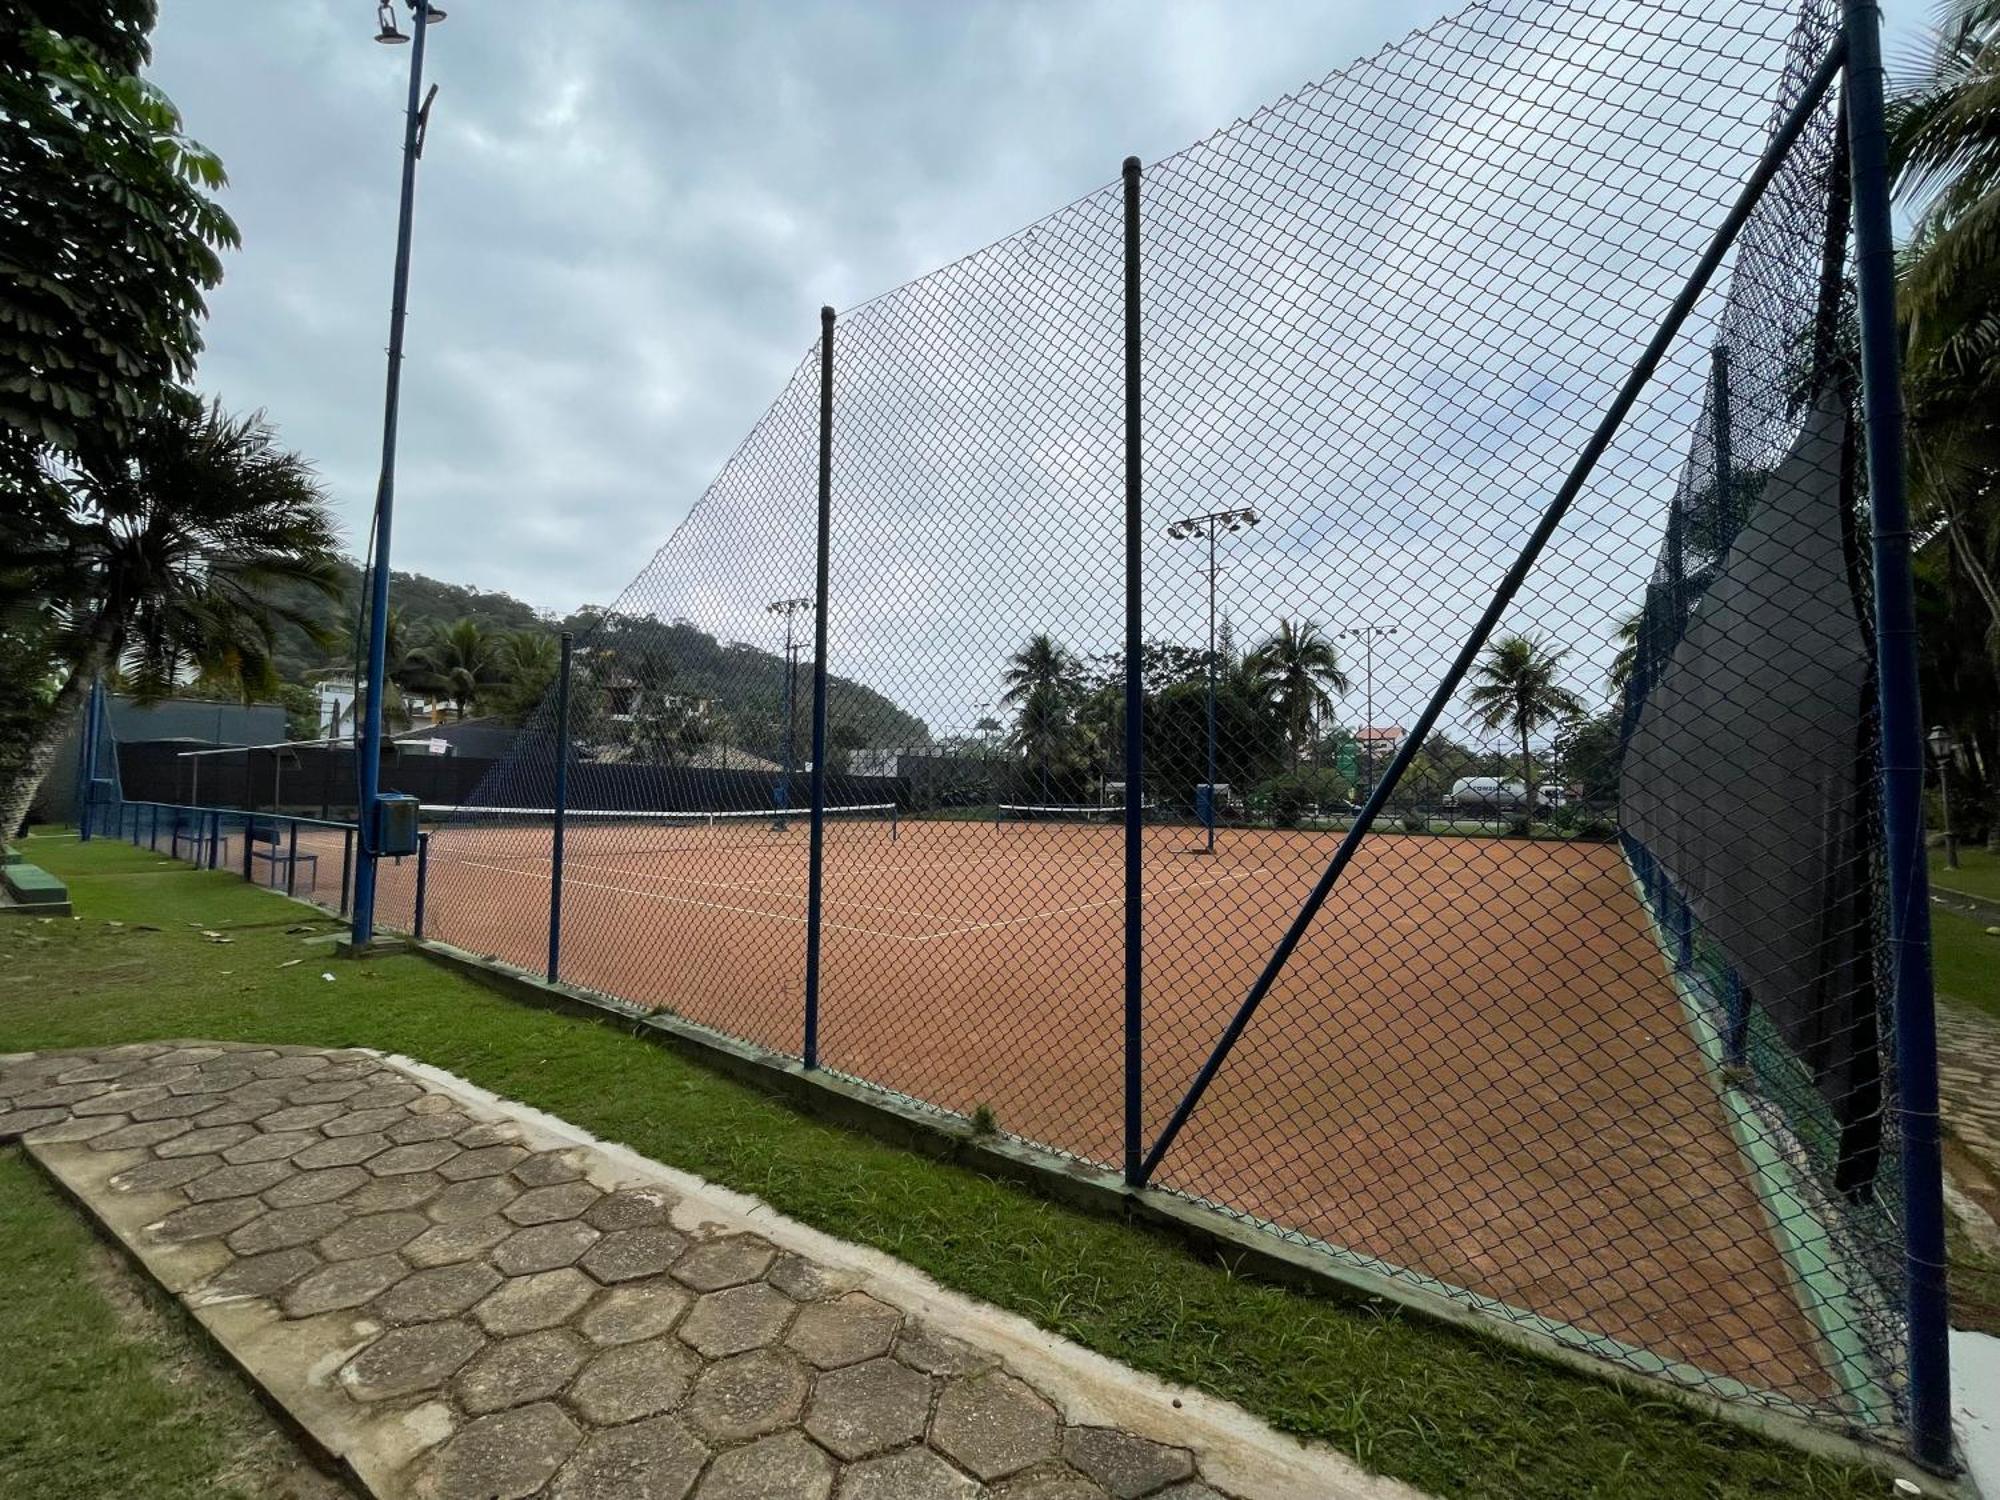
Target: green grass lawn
pixel 1452 1413
pixel 1978 872
pixel 109 1388
pixel 1967 961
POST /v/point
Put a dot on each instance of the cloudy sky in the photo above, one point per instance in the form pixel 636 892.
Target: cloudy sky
pixel 630 212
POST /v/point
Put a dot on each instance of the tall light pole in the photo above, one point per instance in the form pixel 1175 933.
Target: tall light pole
pixel 1368 635
pixel 416 116
pixel 1940 743
pixel 790 609
pixel 1204 528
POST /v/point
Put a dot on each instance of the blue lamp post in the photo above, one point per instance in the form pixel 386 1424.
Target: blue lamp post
pixel 416 115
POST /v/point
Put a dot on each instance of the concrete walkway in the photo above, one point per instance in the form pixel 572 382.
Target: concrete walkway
pixel 458 1299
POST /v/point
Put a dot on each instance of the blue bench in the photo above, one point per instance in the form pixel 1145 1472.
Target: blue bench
pixel 274 848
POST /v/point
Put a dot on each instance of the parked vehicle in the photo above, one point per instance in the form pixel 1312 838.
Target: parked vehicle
pixel 1494 794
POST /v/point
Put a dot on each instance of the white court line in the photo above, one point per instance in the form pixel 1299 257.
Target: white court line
pixel 944 932
pixel 746 911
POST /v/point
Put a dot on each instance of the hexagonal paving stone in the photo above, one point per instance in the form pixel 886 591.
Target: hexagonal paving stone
pixel 388 1194
pixel 347 1283
pixel 372 1234
pixel 846 1332
pixel 543 1247
pixel 994 1425
pixel 784 1465
pixel 546 1168
pixel 238 1110
pixel 303 1117
pixel 628 1254
pixel 237 1182
pixel 544 1205
pixel 743 1317
pixel 205 1221
pixel 922 1347
pixel 730 1261
pixel 172 1107
pixel 914 1474
pixel 1051 1481
pixel 651 1460
pixel 141 1136
pixel 413 1128
pixel 394 1095
pixel 405 1361
pixel 489 1133
pixel 294 1066
pixel 73 1130
pixel 472 1200
pixel 514 1372
pixel 361 1121
pixel 122 1102
pixel 278 1147
pixel 20 1121
pixel 337 1091
pixel 507 1456
pixel 538 1301
pixel 802 1281
pixel 1126 1465
pixel 323 1186
pixel 348 1151
pixel 632 1381
pixel 282 1228
pixel 199 1142
pixel 868 1409
pixel 629 1208
pixel 489 1161
pixel 437 1292
pixel 447 1244
pixel 261 1275
pixel 749 1395
pixel 424 1156
pixel 157 1176
pixel 635 1311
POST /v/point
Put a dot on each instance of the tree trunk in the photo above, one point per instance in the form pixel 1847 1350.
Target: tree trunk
pixel 1527 771
pixel 19 783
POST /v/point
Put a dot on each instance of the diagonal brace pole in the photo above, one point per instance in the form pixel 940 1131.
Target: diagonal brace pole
pixel 1775 152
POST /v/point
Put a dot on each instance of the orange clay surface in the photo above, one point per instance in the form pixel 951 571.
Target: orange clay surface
pixel 1475 1067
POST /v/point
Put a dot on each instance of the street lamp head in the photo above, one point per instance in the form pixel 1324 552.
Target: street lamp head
pixel 432 14
pixel 1940 741
pixel 385 16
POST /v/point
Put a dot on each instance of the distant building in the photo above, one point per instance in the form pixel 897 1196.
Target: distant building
pixel 1380 739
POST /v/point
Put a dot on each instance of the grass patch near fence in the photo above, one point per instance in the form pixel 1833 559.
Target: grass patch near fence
pixel 109 1388
pixel 1978 872
pixel 1452 1413
pixel 1966 960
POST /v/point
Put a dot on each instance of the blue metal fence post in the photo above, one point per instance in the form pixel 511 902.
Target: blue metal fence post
pixel 346 865
pixel 1134 684
pixel 292 860
pixel 423 884
pixel 86 762
pixel 370 749
pixel 815 872
pixel 1902 745
pixel 1776 150
pixel 561 811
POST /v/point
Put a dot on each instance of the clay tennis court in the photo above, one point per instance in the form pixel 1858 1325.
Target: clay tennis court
pixel 1475 1067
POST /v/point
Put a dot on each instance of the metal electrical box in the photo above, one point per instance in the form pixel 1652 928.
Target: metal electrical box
pixel 395 824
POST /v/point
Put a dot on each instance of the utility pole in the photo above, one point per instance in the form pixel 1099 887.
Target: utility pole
pixel 1204 528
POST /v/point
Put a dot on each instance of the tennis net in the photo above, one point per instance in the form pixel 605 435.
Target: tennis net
pixel 589 831
pixel 1073 814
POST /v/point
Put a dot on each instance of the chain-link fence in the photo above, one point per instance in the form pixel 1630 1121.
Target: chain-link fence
pixel 1495 901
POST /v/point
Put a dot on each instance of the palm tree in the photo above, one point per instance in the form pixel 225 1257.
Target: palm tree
pixel 1944 128
pixel 1516 689
pixel 1626 662
pixel 1298 670
pixel 525 665
pixel 459 662
pixel 1039 665
pixel 1045 731
pixel 172 559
